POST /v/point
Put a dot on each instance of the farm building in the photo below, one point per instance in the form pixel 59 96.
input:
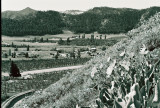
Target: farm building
pixel 64 55
pixel 93 49
pixel 21 54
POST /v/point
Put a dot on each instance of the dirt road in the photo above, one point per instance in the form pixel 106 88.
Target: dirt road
pixel 46 70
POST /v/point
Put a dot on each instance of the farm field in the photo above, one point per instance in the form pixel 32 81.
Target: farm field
pixel 45 47
pixel 66 34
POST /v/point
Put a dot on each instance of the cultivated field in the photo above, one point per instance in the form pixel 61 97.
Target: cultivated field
pixel 49 44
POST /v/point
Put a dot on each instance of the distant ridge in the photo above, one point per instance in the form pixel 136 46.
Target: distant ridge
pixel 18 14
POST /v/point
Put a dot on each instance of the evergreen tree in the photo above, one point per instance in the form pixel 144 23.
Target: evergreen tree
pixel 13 55
pixel 60 42
pixel 28 48
pixel 14 70
pixel 84 36
pixel 16 49
pixel 57 54
pixel 72 54
pixel 26 55
pixel 47 40
pixel 41 39
pixel 92 37
pixel 10 52
pixel 12 44
pixel 79 54
pixel 35 39
pixel 5 55
pixel 100 36
pixel 68 41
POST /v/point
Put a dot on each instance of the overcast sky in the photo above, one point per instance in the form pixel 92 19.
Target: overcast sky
pixel 62 5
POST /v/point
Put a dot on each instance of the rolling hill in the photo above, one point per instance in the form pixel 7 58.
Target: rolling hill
pixel 27 12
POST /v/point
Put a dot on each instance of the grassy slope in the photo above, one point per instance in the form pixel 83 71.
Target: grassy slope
pixel 79 87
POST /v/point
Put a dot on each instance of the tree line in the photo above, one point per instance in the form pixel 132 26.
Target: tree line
pixel 87 41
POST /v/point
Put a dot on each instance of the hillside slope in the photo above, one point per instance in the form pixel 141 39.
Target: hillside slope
pixel 81 87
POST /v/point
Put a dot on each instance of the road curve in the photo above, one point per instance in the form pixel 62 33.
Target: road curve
pixel 12 100
pixel 46 70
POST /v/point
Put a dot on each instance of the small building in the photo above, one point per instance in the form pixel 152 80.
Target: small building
pixel 93 49
pixel 21 54
pixel 64 55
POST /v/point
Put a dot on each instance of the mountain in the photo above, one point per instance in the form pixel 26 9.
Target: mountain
pixel 104 20
pixel 109 10
pixel 27 12
pixel 108 20
pixel 119 77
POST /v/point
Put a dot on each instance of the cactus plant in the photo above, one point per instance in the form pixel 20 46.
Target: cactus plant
pixel 137 96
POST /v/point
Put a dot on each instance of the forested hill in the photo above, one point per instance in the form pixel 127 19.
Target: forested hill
pixel 101 19
pixel 25 13
pixel 49 22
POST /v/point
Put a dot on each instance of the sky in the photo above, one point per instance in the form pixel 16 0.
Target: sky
pixel 62 5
